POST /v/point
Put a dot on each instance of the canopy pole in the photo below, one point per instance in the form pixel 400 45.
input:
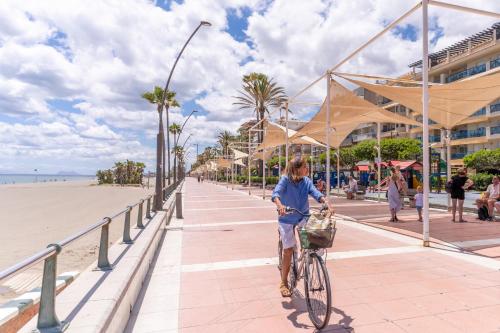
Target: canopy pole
pixel 425 120
pixel 327 131
pixel 249 154
pixel 379 157
pixel 232 176
pixel 264 169
pixel 279 161
pixel 338 171
pixel 287 147
pixel 448 162
pixel 311 158
pixel 464 9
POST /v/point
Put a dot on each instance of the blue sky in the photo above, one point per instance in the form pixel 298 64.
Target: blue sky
pixel 71 76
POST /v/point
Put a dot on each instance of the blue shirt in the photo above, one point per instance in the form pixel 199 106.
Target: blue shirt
pixel 295 195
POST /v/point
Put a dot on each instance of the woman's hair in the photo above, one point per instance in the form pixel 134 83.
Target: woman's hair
pixel 293 170
pixel 394 177
pixel 419 188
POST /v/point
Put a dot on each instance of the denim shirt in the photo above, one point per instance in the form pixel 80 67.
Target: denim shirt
pixel 295 195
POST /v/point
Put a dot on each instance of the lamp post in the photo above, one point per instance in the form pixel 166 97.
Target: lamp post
pixel 202 23
pixel 177 141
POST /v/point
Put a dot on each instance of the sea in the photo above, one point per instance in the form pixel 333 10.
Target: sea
pixel 31 178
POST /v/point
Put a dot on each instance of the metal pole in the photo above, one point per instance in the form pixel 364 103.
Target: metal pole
pixel 311 158
pixel 327 133
pixel 448 164
pixel 338 170
pixel 425 120
pixel 178 205
pixel 139 215
pixel 287 146
pixel 379 156
pixel 279 161
pixel 126 228
pixel 148 208
pixel 249 154
pixel 103 261
pixel 47 317
pixel 264 173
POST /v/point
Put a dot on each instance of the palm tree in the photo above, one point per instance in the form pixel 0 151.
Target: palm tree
pixel 224 139
pixel 156 97
pixel 178 154
pixel 175 129
pixel 260 94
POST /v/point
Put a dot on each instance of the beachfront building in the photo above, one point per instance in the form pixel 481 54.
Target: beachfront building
pixel 476 54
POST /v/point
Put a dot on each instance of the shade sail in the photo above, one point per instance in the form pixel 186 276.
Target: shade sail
pixel 238 155
pixel 449 104
pixel 347 112
pixel 223 163
pixel 266 154
pixel 275 135
pixel 239 162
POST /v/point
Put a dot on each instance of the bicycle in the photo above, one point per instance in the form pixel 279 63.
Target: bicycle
pixel 312 268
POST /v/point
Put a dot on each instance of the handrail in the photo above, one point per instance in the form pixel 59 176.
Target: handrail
pixel 47 317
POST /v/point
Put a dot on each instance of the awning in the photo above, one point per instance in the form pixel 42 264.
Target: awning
pixel 407 164
pixel 275 135
pixel 259 155
pixel 239 162
pixel 223 163
pixel 347 112
pixel 449 104
pixel 362 168
pixel 239 154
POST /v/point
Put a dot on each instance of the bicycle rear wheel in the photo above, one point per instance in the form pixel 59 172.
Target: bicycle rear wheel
pixel 318 291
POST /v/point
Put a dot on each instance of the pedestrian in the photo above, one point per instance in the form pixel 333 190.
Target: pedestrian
pixel 202 178
pixel 320 185
pixel 459 183
pixel 351 188
pixel 419 202
pixel 372 178
pixel 394 194
pixel 492 196
pixel 199 177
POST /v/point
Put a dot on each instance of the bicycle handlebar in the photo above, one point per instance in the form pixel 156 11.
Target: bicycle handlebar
pixel 290 210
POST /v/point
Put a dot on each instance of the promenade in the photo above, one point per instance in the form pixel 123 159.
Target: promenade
pixel 216 272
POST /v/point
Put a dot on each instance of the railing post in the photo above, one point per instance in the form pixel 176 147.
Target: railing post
pixel 47 317
pixel 126 228
pixel 154 203
pixel 139 215
pixel 148 208
pixel 178 205
pixel 103 261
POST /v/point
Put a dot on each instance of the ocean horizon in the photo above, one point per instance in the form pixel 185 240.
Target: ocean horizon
pixel 40 178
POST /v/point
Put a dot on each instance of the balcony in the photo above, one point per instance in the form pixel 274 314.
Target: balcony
pixel 432 138
pixel 457 156
pixel 466 73
pixel 494 63
pixel 495 108
pixel 463 134
pixel 495 130
pixel 481 112
pixel 364 136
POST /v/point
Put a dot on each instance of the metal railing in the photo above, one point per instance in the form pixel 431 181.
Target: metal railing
pixel 47 317
pixel 495 107
pixel 495 130
pixel 463 134
pixel 466 73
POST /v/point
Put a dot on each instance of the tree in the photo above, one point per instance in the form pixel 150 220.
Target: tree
pixel 175 129
pixel 156 97
pixel 348 158
pixel 224 139
pixel 365 150
pixel 400 149
pixel 260 94
pixel 484 160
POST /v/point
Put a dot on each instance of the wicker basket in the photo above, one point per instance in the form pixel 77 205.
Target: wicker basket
pixel 317 238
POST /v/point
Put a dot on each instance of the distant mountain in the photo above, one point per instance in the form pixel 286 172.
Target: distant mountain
pixel 68 173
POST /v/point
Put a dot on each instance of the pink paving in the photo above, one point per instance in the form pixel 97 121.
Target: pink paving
pixel 419 291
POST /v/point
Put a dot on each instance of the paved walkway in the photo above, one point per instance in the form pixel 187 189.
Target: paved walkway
pixel 216 272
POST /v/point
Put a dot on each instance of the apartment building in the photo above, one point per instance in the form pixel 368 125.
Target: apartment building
pixel 476 54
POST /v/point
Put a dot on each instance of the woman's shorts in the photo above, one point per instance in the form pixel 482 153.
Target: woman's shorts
pixel 373 182
pixel 287 235
pixel 458 195
pixel 419 208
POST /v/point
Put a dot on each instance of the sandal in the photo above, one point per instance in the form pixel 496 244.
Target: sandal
pixel 285 292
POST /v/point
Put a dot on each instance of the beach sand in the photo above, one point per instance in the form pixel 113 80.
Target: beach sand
pixel 35 215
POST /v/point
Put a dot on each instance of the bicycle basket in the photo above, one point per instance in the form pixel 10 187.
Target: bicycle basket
pixel 318 233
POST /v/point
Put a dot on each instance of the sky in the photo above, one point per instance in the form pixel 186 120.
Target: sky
pixel 72 72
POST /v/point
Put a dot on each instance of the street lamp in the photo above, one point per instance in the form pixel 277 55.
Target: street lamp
pixel 202 23
pixel 177 141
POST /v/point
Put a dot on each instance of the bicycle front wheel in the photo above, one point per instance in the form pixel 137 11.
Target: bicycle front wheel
pixel 318 292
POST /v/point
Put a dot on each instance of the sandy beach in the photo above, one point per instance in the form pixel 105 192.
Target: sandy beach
pixel 35 215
